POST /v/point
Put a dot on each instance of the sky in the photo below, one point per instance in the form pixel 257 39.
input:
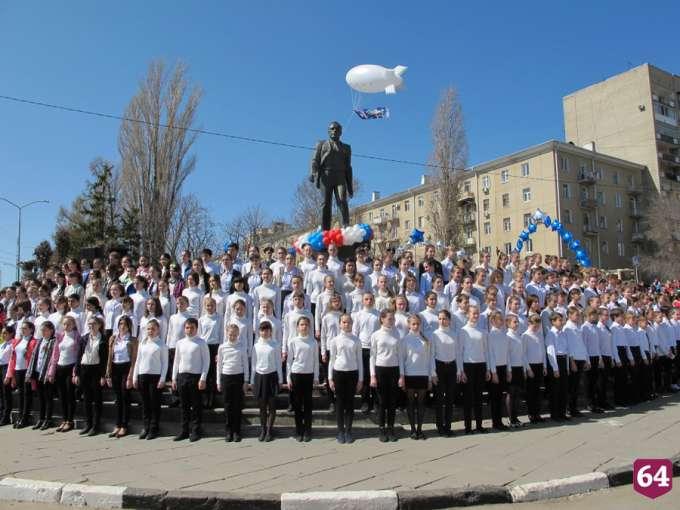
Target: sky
pixel 275 70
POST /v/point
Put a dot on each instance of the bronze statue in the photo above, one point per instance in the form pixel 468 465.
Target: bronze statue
pixel 332 174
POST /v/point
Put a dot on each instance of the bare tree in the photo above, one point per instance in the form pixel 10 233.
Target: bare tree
pixel 660 259
pixel 155 159
pixel 192 227
pixel 448 160
pixel 308 202
pixel 254 221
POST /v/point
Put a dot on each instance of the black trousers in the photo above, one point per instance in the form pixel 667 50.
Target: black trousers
pixel 575 384
pixel 232 393
pixel 388 393
pixel 323 374
pixel 190 402
pixel 636 374
pixel 367 393
pixel 151 400
pixel 340 193
pixel 646 377
pixel 594 382
pixel 63 380
pixel 515 388
pixel 534 390
pixel 25 392
pixel 119 375
pixel 605 374
pixel 211 382
pixel 445 392
pixel 302 402
pixel 496 395
pixel 621 374
pixel 559 392
pixel 5 395
pixel 662 374
pixel 476 376
pixel 345 388
pixel 45 392
pixel 677 361
pixel 90 379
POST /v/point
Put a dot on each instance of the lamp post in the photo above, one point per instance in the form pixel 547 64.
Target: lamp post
pixel 20 208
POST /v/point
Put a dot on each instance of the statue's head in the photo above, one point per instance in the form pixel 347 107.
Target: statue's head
pixel 334 131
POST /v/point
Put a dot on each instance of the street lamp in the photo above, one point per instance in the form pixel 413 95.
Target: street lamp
pixel 20 208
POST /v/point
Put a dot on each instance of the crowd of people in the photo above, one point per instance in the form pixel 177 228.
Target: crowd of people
pixel 396 331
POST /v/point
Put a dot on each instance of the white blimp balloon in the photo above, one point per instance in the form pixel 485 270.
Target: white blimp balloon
pixel 372 78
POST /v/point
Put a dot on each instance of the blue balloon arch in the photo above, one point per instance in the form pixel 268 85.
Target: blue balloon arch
pixel 540 218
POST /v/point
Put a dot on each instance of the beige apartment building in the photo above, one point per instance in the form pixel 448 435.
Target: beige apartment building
pixel 635 116
pixel 596 196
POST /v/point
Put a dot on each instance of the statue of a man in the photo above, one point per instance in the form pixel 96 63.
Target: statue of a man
pixel 332 173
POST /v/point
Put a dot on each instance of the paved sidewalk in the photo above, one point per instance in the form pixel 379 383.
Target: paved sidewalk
pixel 527 455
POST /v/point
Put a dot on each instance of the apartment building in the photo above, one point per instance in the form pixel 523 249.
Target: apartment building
pixel 635 116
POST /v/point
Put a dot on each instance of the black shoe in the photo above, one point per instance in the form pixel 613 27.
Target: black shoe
pixel 382 437
pixel 290 408
pixel 500 427
pixel 348 437
pixel 21 424
pixel 307 437
pixel 93 431
pixel 143 434
pixel 606 406
pixel 86 430
pixel 153 434
pixel 449 433
pixel 229 438
pixel 481 430
pixel 263 434
pixel 576 413
pixel 174 403
pixel 37 425
pixel 331 408
pixel 364 407
pixel 5 421
pixel 539 419
pixel 391 436
pixel 413 435
pixel 268 438
pixel 195 436
pixel 237 438
pixel 468 432
pixel 299 438
pixel 421 436
pixel 340 438
pixel 181 436
pixel 596 410
pixel 46 425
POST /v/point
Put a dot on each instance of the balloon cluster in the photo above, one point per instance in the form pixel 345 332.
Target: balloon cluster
pixel 538 218
pixel 347 236
pixel 416 236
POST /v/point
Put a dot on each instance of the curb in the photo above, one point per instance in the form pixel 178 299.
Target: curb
pixel 103 496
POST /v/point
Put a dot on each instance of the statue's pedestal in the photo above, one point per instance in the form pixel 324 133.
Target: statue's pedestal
pixel 349 252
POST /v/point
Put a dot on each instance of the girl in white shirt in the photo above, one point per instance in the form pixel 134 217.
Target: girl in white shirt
pixel 149 376
pixel 354 297
pixel 90 373
pixel 113 308
pixel 330 328
pixel 211 329
pixel 415 300
pixel 443 299
pixel 448 369
pixel 475 368
pixel 232 362
pixel 419 373
pixel 168 301
pixel 383 295
pixel 387 373
pixel 265 378
pixel 62 370
pixel 364 323
pixel 217 294
pixel 119 371
pixel 516 368
pixel 345 376
pixel 153 310
pixel 194 294
pixel 429 317
pixel 401 315
pixel 533 344
pixel 303 373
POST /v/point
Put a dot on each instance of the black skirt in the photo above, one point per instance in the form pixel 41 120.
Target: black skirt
pixel 266 386
pixel 416 382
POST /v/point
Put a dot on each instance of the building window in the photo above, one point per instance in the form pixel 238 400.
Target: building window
pixel 506 200
pixel 615 177
pixel 485 204
pixel 631 181
pixel 602 223
pixel 564 164
pixel 421 201
pixel 620 248
pixel 526 194
pixel 567 217
pixel 508 248
pixel 407 205
pixel 605 247
pixel 505 176
pixel 486 249
pixel 507 226
pixel 619 225
pixel 600 198
pixel 526 219
pixel 529 244
pixel 382 214
pixel 618 202
pixel 525 169
pixel 486 182
pixel 420 222
pixel 466 186
pixel 636 227
pixel 598 174
pixel 487 227
pixel 407 224
pixel 468 232
pixel 435 196
pixel 370 216
pixel 566 190
pixel 584 193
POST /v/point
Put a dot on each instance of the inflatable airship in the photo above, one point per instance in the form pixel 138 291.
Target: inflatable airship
pixel 373 78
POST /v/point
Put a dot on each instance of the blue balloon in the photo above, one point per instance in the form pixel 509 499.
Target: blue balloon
pixel 586 262
pixel 524 235
pixel 547 221
pixel 532 227
pixel 556 225
pixel 580 254
pixel 575 244
pixel 566 235
pixel 519 245
pixel 417 236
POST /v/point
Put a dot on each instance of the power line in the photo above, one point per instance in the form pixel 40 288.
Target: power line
pixel 258 140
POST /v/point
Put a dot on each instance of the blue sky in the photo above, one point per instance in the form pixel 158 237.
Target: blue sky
pixel 276 70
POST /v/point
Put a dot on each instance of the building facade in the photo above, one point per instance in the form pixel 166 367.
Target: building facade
pixel 596 196
pixel 635 116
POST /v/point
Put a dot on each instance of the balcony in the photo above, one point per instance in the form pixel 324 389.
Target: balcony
pixel 634 190
pixel 586 177
pixel 666 119
pixel 588 203
pixel 466 196
pixel 385 219
pixel 589 230
pixel 668 139
pixel 635 213
pixel 470 241
pixel 666 156
pixel 638 237
pixel 468 219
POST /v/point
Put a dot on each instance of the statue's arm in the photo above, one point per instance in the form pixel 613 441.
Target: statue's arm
pixel 350 178
pixel 316 162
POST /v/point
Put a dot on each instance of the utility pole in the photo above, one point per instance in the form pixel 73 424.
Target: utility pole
pixel 21 208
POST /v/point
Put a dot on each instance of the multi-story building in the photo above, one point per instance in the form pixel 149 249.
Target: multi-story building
pixel 635 116
pixel 596 196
